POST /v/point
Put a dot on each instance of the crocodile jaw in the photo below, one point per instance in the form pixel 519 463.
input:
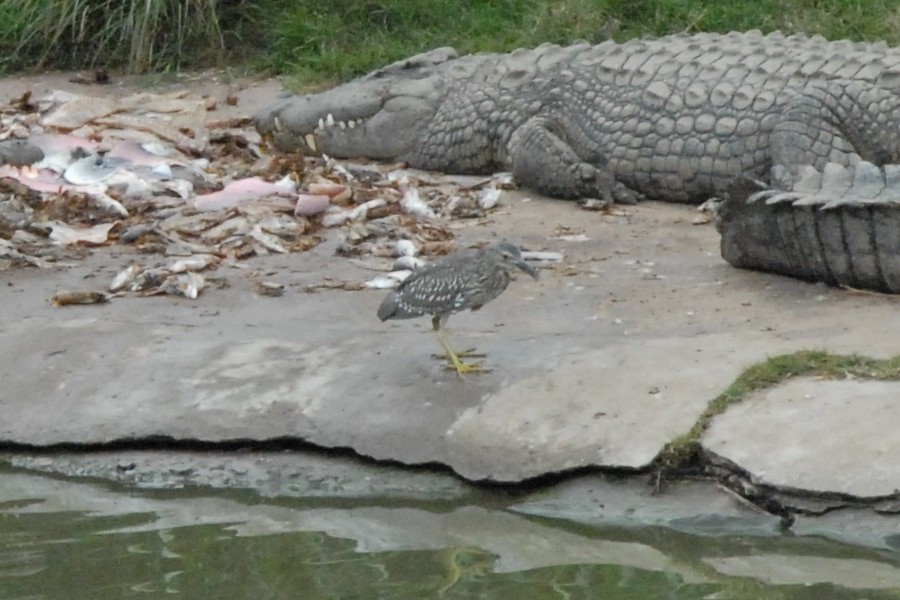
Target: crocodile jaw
pixel 382 116
pixel 388 133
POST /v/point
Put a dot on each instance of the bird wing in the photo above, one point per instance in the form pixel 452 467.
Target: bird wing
pixel 440 269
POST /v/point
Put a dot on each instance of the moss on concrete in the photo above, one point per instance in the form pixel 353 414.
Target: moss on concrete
pixel 684 450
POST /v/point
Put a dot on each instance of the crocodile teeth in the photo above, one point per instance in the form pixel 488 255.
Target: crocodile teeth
pixel 322 123
pixel 310 141
pixel 342 125
pixel 351 124
pixel 329 120
pixel 278 125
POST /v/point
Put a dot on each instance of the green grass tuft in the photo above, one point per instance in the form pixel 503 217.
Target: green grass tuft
pixel 770 373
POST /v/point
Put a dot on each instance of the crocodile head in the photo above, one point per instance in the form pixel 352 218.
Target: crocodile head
pixel 382 115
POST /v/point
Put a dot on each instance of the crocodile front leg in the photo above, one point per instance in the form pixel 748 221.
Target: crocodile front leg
pixel 541 160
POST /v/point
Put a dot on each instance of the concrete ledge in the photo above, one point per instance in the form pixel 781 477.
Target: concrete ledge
pixel 609 356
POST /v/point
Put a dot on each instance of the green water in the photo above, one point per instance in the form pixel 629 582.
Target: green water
pixel 75 540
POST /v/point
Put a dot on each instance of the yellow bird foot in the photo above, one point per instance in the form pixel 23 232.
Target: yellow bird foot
pixel 452 357
pixel 470 353
pixel 462 368
pixel 453 363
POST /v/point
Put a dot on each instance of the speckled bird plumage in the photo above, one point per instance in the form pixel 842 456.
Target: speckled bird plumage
pixel 466 280
pixel 451 284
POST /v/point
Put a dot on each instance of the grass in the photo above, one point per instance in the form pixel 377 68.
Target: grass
pixel 337 40
pixel 327 40
pixel 135 35
pixel 322 39
pixel 769 373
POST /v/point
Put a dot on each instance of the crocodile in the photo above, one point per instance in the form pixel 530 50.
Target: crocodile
pixel 684 118
pixel 839 226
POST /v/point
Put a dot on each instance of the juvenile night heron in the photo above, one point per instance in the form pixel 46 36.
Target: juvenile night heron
pixel 452 284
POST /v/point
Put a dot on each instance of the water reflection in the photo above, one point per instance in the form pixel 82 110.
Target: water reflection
pixel 62 539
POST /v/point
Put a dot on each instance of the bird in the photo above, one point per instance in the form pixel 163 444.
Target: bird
pixel 453 283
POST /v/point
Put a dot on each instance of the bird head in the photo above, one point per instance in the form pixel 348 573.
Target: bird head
pixel 511 257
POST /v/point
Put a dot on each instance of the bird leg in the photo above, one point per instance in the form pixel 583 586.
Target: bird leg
pixel 470 353
pixel 455 363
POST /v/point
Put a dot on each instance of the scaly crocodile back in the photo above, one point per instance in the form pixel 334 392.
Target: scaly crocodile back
pixel 738 59
pixel 675 118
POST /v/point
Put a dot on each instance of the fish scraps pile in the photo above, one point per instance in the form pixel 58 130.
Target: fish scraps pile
pixel 191 194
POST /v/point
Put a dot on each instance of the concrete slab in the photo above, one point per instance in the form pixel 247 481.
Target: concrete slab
pixel 601 362
pixel 824 436
pixel 703 508
pixel 615 406
pixel 270 474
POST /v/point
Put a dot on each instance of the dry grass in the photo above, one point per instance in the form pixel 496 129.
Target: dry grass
pixel 137 35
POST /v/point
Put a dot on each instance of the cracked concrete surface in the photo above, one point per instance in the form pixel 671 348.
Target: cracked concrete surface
pixel 614 352
pixel 603 361
pixel 785 433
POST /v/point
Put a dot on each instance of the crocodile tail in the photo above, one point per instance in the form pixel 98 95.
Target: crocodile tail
pixel 840 225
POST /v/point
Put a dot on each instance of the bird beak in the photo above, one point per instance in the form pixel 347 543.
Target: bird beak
pixel 527 268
